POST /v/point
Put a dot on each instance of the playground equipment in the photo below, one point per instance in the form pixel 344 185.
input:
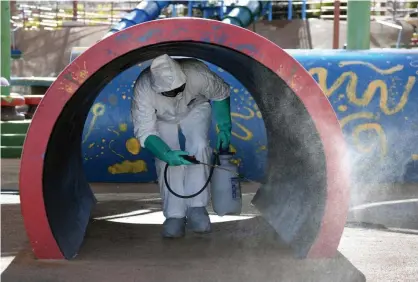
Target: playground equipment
pixel 13 127
pixel 361 77
pixel 55 196
pixel 145 11
pixel 373 99
pixel 371 92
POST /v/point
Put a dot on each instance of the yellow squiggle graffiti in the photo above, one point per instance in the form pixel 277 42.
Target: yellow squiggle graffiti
pixel 367 127
pixel 322 74
pixel 347 119
pixel 248 117
pixel 373 67
pixel 98 110
pixel 248 134
pixel 371 90
pixel 113 151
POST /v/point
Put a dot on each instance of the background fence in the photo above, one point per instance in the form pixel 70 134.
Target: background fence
pixel 52 15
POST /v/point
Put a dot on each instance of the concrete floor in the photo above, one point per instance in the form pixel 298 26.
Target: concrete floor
pixel 123 244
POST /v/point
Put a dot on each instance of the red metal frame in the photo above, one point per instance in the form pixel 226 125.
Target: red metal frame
pixel 183 29
pixel 336 38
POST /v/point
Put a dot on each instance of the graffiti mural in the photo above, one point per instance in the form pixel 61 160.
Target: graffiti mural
pixel 374 94
pixel 111 153
pixel 375 98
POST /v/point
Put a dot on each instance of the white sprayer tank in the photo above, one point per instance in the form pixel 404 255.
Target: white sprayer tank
pixel 226 188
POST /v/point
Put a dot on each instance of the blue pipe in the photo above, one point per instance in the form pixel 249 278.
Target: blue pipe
pixel 145 11
pixel 304 10
pixel 174 10
pixel 244 14
pixel 289 10
pixel 190 9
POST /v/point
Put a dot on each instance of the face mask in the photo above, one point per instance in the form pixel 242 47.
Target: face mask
pixel 173 93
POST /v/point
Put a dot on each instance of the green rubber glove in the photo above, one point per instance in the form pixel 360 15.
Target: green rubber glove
pixel 222 111
pixel 163 152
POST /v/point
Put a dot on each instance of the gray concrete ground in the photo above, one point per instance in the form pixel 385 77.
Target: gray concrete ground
pixel 123 243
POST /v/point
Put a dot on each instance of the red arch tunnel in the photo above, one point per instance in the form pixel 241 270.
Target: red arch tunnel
pixel 305 192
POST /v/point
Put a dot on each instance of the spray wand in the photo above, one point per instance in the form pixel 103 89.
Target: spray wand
pixel 193 160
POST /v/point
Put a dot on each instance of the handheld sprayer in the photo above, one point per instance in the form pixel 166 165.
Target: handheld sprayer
pixel 225 186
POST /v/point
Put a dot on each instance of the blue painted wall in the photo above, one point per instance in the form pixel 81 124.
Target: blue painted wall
pixel 374 93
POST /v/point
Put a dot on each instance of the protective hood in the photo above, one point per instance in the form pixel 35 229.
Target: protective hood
pixel 166 74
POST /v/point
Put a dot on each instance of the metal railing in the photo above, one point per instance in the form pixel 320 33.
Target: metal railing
pixel 54 14
pixel 324 9
pixel 58 14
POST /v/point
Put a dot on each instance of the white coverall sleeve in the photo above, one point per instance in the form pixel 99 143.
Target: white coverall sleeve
pixel 143 113
pixel 211 85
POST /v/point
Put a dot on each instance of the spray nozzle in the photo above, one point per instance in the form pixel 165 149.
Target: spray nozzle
pixel 191 159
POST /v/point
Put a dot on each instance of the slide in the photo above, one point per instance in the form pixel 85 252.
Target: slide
pixel 244 13
pixel 144 12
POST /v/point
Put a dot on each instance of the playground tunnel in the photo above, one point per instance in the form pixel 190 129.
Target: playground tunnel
pixel 299 196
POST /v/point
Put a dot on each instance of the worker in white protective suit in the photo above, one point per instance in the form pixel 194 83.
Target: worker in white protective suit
pixel 172 95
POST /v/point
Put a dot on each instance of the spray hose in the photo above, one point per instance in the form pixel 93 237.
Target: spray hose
pixel 193 161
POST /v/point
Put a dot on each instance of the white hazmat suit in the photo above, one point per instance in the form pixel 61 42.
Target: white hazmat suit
pixel 154 114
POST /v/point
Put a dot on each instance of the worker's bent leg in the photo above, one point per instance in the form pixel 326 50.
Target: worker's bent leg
pixel 195 128
pixel 173 207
